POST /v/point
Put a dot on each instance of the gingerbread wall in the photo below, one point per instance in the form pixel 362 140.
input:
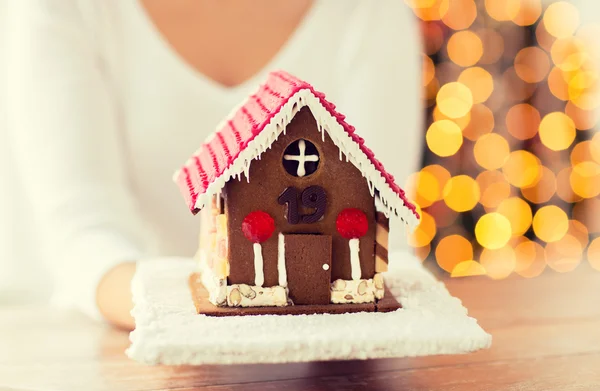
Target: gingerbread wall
pixel 345 188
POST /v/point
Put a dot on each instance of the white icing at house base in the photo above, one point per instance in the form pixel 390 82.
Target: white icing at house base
pixel 355 259
pixel 242 295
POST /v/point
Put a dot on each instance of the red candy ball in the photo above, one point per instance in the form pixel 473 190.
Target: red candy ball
pixel 258 226
pixel 352 223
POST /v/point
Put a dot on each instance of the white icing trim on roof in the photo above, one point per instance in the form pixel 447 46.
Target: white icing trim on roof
pixel 386 200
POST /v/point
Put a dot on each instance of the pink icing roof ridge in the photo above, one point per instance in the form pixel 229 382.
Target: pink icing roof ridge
pixel 247 122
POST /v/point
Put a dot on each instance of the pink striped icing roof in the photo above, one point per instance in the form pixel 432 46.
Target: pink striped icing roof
pixel 216 155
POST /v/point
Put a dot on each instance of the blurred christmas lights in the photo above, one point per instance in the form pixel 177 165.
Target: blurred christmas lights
pixel 512 176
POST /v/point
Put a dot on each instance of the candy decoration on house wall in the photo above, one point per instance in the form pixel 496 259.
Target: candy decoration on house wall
pixel 313 197
pixel 258 226
pixel 352 224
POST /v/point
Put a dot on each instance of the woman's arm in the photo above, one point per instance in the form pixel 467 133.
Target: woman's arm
pixel 69 151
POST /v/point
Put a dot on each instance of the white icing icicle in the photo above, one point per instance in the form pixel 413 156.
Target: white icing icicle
pixel 281 270
pixel 259 275
pixel 355 259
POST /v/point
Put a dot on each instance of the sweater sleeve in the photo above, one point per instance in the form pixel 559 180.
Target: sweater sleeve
pixel 380 87
pixel 69 154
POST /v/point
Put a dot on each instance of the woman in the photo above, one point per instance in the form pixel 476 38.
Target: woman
pixel 107 99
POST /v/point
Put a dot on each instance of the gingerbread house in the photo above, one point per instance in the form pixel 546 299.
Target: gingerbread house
pixel 293 208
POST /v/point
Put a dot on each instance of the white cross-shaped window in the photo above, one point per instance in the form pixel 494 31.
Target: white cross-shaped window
pixel 301 158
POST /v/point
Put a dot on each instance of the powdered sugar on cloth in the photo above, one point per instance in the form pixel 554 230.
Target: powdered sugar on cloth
pixel 169 331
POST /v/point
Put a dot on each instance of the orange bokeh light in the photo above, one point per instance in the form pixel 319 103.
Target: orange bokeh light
pixel 452 250
pixel 529 12
pixel 494 188
pixel 491 151
pixel 563 186
pixel 583 119
pixel 482 122
pixel 428 70
pixel 493 45
pixel 543 190
pixel 532 64
pixel 465 48
pixel 523 121
pixel 502 10
pixel 458 14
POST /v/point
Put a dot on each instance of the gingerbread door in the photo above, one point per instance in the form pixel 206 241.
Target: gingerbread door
pixel 308 266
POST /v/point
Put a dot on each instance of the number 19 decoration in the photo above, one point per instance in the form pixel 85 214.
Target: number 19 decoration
pixel 313 197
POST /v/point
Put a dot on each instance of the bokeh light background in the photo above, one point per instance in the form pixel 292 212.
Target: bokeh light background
pixel 510 182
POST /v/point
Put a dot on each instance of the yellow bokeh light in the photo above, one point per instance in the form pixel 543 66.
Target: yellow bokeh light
pixel 462 122
pixel 529 12
pixel 530 259
pixel 543 190
pixel 425 232
pixel 426 10
pixel 479 81
pixel 557 131
pixel 584 90
pixel 494 188
pixel 481 122
pixel 491 151
pixel 424 188
pixel 550 223
pixel 583 119
pixel 532 64
pixel 444 138
pixel 452 250
pixel 568 54
pixel 563 186
pixel 493 231
pixel 458 14
pixel 518 213
pixel 420 3
pixel 585 179
pixel 561 19
pixel 565 254
pixel 465 48
pixel 593 254
pixel 557 84
pixel 467 269
pixel 454 100
pixel 502 10
pixel 498 263
pixel 523 121
pixel 522 169
pixel 461 193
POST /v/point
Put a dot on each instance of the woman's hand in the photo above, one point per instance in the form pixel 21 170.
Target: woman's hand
pixel 114 296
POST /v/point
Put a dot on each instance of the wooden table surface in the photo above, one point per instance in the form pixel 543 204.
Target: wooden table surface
pixel 546 336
